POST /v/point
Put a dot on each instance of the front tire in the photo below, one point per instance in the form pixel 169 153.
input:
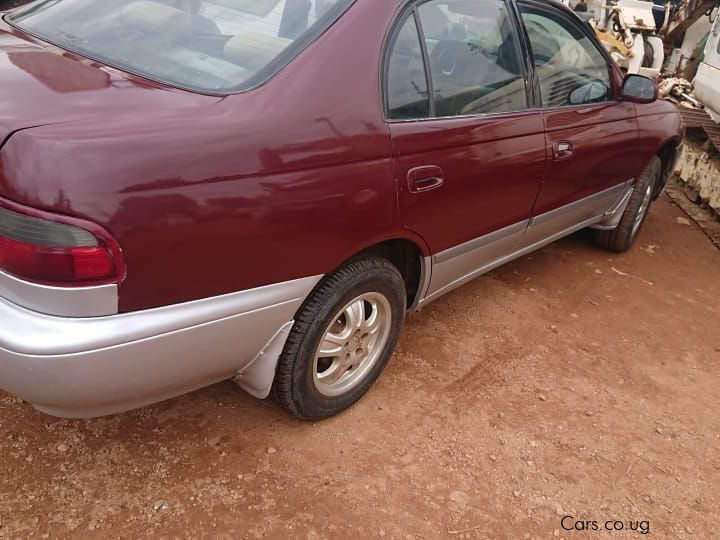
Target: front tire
pixel 622 237
pixel 342 339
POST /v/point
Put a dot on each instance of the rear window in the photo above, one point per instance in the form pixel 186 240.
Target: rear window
pixel 215 46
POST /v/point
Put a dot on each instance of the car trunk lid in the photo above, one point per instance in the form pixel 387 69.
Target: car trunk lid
pixel 42 84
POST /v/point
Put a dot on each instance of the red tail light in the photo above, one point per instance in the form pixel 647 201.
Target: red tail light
pixel 56 250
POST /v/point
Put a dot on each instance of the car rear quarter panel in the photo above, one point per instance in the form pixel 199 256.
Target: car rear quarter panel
pixel 279 183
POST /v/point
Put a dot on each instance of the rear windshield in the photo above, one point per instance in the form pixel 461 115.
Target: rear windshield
pixel 215 46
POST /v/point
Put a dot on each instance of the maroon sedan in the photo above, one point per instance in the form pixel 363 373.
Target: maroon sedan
pixel 198 190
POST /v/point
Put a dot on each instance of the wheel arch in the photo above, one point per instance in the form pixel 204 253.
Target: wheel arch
pixel 412 260
pixel 668 154
pixel 408 256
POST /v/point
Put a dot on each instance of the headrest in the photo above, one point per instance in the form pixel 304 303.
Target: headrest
pixel 255 7
pixel 253 51
pixel 150 16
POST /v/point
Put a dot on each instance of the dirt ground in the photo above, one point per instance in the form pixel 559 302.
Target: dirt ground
pixel 571 382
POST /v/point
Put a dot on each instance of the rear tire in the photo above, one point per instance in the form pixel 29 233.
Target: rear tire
pixel 623 236
pixel 342 339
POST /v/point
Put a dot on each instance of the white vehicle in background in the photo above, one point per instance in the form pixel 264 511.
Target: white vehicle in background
pixel 707 79
pixel 629 31
pixel 698 165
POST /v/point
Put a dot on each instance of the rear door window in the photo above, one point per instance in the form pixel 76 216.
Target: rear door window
pixel 407 89
pixel 471 54
pixel 473 57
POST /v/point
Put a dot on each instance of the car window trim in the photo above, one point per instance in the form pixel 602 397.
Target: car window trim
pixel 570 16
pixel 426 60
pixel 524 112
pixel 532 82
pixel 410 8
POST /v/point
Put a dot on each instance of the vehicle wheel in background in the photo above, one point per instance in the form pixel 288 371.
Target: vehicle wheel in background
pixel 343 336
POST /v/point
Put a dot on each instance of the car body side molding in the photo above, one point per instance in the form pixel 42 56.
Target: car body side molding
pixel 460 264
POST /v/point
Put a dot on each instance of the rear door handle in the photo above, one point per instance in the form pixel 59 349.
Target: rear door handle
pixel 562 150
pixel 425 178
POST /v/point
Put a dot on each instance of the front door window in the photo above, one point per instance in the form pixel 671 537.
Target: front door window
pixel 570 68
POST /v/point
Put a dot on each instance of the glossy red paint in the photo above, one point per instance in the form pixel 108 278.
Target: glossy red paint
pixel 289 180
pixel 207 196
pixel 492 168
pixel 593 133
pixel 660 125
pixel 43 85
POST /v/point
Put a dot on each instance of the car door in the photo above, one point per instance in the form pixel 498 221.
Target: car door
pixel 469 151
pixel 590 134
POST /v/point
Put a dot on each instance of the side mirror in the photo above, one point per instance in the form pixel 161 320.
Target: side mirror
pixel 639 89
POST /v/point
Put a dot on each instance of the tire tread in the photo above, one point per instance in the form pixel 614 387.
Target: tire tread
pixel 620 238
pixel 284 390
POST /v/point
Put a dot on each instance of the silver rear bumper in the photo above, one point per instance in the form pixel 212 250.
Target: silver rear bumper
pixel 84 367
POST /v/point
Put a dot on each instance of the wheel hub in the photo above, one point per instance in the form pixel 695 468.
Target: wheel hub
pixel 352 344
